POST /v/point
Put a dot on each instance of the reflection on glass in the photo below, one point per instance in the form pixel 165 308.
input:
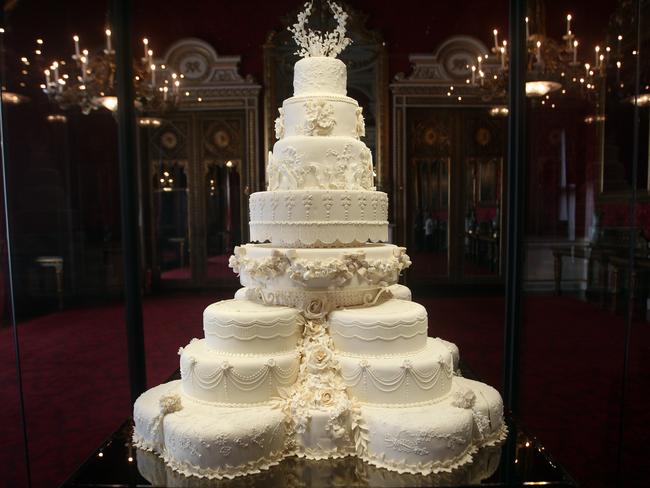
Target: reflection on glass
pixel 482 216
pixel 222 216
pixel 171 219
pixel 431 216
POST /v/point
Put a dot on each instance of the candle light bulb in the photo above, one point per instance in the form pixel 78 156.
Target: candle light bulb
pixel 575 44
pixel 495 32
pixel 150 52
pixel 539 44
pixel 108 32
pixel 505 43
pixel 620 38
pixel 75 38
pixel 597 48
pixel 618 64
pixel 145 41
pixel 568 17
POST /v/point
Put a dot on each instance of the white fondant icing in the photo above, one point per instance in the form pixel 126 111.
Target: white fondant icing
pixel 340 114
pixel 319 269
pixel 321 163
pixel 208 441
pixel 390 327
pixel 400 292
pixel 210 376
pixel 242 326
pixel 319 75
pixel 425 376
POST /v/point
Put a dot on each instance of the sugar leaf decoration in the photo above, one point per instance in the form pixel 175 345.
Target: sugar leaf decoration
pixel 313 43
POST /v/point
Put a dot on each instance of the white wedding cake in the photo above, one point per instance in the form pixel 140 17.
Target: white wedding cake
pixel 322 354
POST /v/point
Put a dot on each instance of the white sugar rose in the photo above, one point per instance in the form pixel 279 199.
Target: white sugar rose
pixel 316 308
pixel 318 358
pixel 325 398
pixel 463 398
pixel 170 403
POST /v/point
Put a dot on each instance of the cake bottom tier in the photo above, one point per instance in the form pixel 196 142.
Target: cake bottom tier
pixel 223 442
pixel 435 438
pixel 207 441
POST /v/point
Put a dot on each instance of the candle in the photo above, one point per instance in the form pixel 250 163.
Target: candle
pixel 150 56
pixel 480 60
pixel 473 74
pixel 153 75
pixel 503 57
pixel 55 67
pixel 109 48
pixel 48 79
pixel 587 69
pixel 145 41
pixel 496 40
pixel 618 46
pixel 84 67
pixel 527 31
pixel 75 38
pixel 568 25
pixel 597 49
pixel 575 52
pixel 538 51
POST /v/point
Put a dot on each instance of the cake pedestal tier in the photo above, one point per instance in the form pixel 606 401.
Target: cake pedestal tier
pixel 109 465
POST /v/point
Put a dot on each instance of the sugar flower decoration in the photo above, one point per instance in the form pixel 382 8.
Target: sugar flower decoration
pixel 314 43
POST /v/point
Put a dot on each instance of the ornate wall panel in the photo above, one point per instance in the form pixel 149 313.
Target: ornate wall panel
pixel 214 134
pixel 447 165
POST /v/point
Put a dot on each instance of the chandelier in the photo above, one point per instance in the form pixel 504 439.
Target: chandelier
pixel 552 65
pixel 88 81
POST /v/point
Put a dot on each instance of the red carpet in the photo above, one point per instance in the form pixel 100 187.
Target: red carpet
pixel 76 384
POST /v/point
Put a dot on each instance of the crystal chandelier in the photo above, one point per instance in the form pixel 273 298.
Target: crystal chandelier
pixel 89 80
pixel 552 65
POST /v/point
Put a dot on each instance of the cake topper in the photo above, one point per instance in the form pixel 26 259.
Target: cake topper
pixel 314 43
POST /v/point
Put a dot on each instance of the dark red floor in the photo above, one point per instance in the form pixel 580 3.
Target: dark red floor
pixel 76 384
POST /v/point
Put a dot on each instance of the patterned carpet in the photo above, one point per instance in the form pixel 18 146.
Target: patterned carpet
pixel 76 385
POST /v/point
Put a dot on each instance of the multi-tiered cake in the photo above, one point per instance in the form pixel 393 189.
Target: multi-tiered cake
pixel 321 354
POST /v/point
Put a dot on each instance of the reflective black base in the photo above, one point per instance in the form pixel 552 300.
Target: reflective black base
pixel 519 461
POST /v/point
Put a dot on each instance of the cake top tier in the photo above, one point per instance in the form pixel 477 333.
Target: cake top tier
pixel 319 76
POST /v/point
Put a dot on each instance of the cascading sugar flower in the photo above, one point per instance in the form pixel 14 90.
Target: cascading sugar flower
pixel 315 43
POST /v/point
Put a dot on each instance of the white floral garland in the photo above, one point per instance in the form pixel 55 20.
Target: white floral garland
pixel 315 43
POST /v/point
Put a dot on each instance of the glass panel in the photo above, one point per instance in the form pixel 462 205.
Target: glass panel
pixel 221 154
pixel 222 217
pixel 168 155
pixel 579 236
pixel 430 151
pixel 64 216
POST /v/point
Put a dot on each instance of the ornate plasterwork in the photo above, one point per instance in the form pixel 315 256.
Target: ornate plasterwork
pixel 319 118
pixel 337 271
